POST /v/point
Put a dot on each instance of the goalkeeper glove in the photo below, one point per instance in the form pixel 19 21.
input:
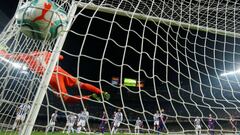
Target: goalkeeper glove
pixel 94 96
pixel 106 95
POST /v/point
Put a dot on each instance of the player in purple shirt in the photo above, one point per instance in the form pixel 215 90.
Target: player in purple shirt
pixel 211 124
pixel 103 123
pixel 162 121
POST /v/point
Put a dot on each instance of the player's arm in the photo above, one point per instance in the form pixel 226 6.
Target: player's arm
pixel 56 117
pixel 18 57
pixel 121 117
pixel 87 116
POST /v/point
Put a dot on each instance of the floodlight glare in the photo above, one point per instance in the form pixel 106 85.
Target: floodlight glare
pixel 19 66
pixel 230 73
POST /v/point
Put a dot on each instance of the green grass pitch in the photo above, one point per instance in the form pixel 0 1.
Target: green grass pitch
pixel 60 133
pixel 107 133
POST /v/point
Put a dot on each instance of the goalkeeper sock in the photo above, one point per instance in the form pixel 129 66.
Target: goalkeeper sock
pixel 14 125
pixel 106 95
pixel 94 96
pixel 113 129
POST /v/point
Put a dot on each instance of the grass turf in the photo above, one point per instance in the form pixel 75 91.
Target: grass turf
pixel 60 133
pixel 107 133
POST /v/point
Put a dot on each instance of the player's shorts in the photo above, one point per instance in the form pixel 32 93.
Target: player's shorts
pixel 198 127
pixel 67 124
pixel 70 124
pixel 102 125
pixel 116 123
pixel 161 127
pixel 52 123
pixel 156 123
pixel 20 117
pixel 137 127
pixel 81 123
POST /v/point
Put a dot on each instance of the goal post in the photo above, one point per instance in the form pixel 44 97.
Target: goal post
pixel 42 88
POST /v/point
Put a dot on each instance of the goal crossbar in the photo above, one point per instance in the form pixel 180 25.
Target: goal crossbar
pixel 92 6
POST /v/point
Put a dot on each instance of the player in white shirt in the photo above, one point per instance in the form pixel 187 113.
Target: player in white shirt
pixel 118 118
pixel 197 123
pixel 71 119
pixel 21 112
pixel 82 120
pixel 138 125
pixel 156 120
pixel 52 121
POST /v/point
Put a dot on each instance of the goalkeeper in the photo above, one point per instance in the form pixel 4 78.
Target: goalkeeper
pixel 37 62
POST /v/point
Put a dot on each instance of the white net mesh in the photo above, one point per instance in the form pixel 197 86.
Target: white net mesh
pixel 177 56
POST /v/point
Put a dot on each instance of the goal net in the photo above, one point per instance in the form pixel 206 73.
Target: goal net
pixel 178 58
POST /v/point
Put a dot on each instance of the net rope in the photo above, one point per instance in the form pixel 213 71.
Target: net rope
pixel 186 53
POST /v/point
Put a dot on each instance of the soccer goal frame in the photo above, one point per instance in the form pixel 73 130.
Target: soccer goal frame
pixel 92 6
pixel 29 124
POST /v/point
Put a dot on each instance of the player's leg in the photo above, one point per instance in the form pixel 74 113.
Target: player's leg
pixel 78 127
pixel 160 128
pixel 136 132
pixel 53 126
pixel 102 129
pixel 83 126
pixel 57 83
pixel 19 125
pixel 65 128
pixel 15 124
pixel 60 80
pixel 68 129
pixel 47 128
pixel 112 131
pixel 113 128
pixel 71 81
pixel 211 131
pixel 21 121
pixel 116 127
pixel 156 125
pixel 72 129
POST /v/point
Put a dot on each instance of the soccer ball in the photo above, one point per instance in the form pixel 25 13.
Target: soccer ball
pixel 41 19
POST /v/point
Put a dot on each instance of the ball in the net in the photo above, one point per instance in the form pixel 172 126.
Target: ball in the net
pixel 41 19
